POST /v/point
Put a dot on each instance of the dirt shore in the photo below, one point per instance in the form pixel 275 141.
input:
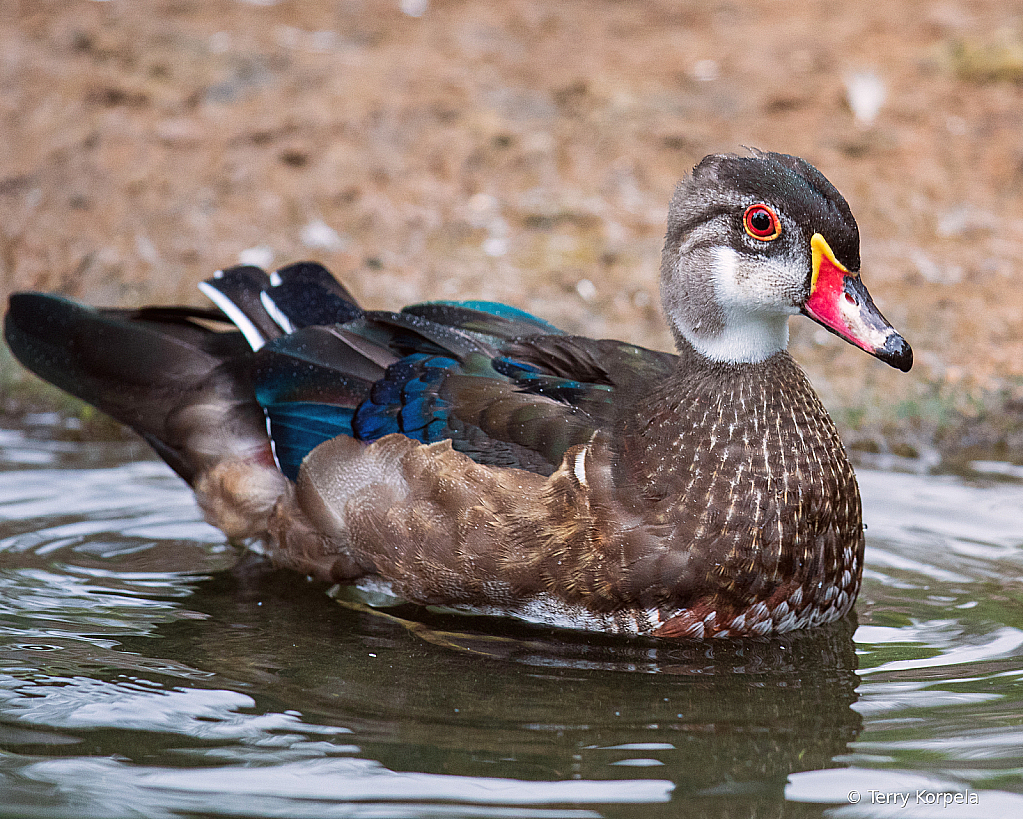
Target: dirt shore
pixel 526 152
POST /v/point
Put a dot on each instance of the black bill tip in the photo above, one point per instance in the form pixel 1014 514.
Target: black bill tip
pixel 896 352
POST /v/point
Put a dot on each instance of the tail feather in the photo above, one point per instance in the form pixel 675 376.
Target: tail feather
pixel 265 307
pixel 185 388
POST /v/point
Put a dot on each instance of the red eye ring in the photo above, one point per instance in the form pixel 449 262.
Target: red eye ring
pixel 761 222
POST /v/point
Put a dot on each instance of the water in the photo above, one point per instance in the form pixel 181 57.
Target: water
pixel 146 671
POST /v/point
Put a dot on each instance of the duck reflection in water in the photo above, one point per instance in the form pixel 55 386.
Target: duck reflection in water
pixel 468 697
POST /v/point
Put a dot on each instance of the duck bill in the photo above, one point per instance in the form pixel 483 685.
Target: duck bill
pixel 840 302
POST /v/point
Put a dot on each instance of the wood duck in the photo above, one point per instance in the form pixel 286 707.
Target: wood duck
pixel 472 456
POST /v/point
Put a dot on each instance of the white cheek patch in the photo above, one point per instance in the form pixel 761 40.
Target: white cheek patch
pixel 755 308
pixel 764 285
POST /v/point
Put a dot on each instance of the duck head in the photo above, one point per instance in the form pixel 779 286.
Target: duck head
pixel 755 239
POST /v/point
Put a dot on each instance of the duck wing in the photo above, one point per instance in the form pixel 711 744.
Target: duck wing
pixel 507 388
pixel 390 373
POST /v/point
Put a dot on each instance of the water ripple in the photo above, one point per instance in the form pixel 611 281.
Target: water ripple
pixel 331 788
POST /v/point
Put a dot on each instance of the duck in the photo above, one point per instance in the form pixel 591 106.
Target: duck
pixel 470 456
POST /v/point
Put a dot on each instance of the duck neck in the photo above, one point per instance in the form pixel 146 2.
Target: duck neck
pixel 748 338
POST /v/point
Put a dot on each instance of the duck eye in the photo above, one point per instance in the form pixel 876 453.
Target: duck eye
pixel 761 223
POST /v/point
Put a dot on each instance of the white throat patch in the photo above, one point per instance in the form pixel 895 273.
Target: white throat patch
pixel 756 316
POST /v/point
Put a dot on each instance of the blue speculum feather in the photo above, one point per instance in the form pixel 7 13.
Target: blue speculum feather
pixel 532 380
pixel 299 427
pixel 407 400
pixel 512 368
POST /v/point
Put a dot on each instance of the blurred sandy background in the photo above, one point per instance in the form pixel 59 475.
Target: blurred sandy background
pixel 525 152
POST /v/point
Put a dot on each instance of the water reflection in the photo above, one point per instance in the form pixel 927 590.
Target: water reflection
pixel 280 675
pixel 535 705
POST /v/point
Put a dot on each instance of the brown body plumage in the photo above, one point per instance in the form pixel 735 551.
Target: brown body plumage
pixel 726 494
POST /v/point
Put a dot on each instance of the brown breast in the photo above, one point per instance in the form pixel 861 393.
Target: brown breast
pixel 724 503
